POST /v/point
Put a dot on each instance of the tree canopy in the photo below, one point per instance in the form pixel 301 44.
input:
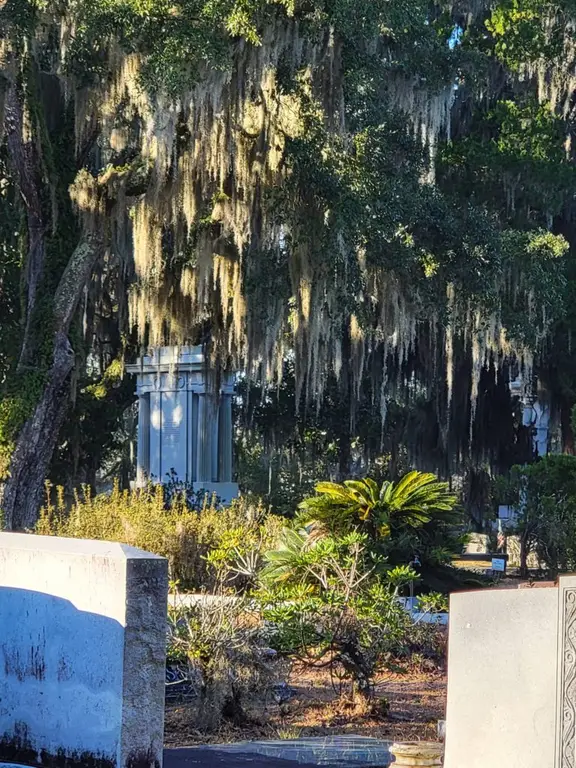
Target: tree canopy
pixel 375 198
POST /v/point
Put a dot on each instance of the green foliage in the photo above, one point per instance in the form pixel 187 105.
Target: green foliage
pixel 513 160
pixel 532 131
pixel 433 603
pixel 330 609
pixel 91 439
pixel 525 31
pixel 411 520
pixel 544 497
pixel 21 393
pixel 416 499
pixel 305 560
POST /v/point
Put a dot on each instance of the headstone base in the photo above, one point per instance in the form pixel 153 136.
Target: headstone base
pixel 426 754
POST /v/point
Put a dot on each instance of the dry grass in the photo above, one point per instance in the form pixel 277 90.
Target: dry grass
pixel 417 701
pixel 140 519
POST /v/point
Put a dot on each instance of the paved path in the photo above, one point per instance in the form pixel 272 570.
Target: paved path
pixel 330 752
pixel 211 758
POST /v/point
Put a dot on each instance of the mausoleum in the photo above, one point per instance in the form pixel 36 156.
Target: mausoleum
pixel 183 427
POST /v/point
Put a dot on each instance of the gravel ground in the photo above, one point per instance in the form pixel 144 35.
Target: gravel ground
pixel 417 700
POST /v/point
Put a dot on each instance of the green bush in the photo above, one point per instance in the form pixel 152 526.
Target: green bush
pixel 186 537
pixel 416 499
pixel 331 609
pixel 544 496
pixel 412 519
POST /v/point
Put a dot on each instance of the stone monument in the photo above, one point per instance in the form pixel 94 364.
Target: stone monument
pixel 183 428
pixel 535 413
pixel 512 677
pixel 82 653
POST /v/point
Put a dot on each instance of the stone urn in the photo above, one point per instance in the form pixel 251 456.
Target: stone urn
pixel 426 754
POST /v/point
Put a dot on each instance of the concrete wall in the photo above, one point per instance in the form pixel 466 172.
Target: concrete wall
pixel 82 653
pixel 512 678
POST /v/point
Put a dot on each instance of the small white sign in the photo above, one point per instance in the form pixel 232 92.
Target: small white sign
pixel 498 564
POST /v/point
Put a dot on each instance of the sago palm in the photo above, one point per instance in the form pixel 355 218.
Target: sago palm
pixel 411 502
pixel 289 559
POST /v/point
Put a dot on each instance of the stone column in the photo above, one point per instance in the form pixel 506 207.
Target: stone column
pixel 204 442
pixel 143 458
pixel 225 440
pixel 426 754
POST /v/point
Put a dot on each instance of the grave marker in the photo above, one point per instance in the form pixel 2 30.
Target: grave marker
pixel 512 678
pixel 82 653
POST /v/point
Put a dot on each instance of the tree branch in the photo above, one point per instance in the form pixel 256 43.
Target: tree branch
pixel 75 277
pixel 35 445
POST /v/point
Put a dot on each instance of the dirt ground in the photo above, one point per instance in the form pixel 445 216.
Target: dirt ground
pixel 417 700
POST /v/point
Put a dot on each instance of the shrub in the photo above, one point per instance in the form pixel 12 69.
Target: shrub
pixel 331 609
pixel 434 602
pixel 223 644
pixel 416 499
pixel 544 497
pixel 424 641
pixel 141 519
pixel 410 520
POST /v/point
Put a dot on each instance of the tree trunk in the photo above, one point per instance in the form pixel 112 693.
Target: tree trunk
pixel 25 162
pixel 29 463
pixel 566 428
pixel 345 432
pixel 524 539
pixel 23 491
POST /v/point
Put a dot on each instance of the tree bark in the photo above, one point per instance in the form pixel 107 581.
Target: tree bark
pixel 33 452
pixel 3 92
pixel 24 488
pixel 524 542
pixel 345 433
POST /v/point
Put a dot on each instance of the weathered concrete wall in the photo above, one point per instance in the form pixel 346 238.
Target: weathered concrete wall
pixel 512 678
pixel 82 653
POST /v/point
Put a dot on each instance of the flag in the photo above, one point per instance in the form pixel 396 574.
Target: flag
pixel 501 538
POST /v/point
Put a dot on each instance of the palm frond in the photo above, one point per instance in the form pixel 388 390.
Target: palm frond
pixel 413 501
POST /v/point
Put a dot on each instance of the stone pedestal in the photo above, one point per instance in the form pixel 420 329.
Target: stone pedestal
pixel 82 653
pixel 417 753
pixel 184 428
